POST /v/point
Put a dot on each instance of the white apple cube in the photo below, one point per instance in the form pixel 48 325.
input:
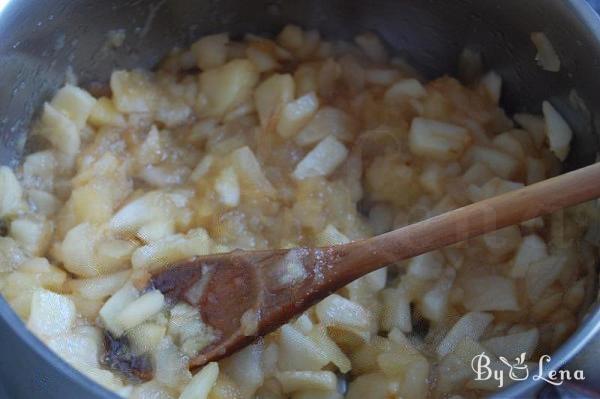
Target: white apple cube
pixel 292 381
pixel 33 234
pixel 322 160
pixel 111 310
pixel 490 293
pixel 141 309
pixel 51 314
pixel 61 131
pixel 532 249
pixel 492 84
pixel 228 188
pixel 99 287
pixel 471 325
pixel 512 345
pixel 78 250
pixel 327 121
pixel 171 249
pixel 210 51
pixel 134 91
pixel 225 87
pixel 437 140
pixel 396 310
pixel 299 352
pixel 499 162
pixel 202 383
pixel 250 172
pixel 145 337
pixel 296 114
pixel 541 274
pixel 11 193
pixel 271 96
pixel 245 368
pixel 336 310
pixel 404 90
pixel 75 103
pixel 558 131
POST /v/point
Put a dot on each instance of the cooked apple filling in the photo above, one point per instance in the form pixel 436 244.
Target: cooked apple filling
pixel 296 141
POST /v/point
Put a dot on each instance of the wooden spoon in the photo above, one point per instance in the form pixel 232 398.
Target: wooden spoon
pixel 243 295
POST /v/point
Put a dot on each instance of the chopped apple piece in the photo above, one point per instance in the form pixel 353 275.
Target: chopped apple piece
pixel 322 160
pixel 32 233
pixel 541 274
pixel 396 310
pixel 113 307
pixel 558 131
pixel 245 368
pixel 202 383
pixel 171 249
pixel 499 162
pixel 99 287
pixel 404 90
pixel 372 46
pixel 299 352
pixel 75 103
pixel 296 114
pixel 225 87
pixel 512 345
pixel 59 130
pixel 531 250
pixel 78 250
pixel 437 140
pixel 504 241
pixel 471 325
pixel 145 337
pixel 210 51
pixel 11 193
pixel 336 310
pixel 327 121
pixel 492 84
pixel 250 172
pixel 271 96
pixel 51 314
pixel 546 55
pixel 134 91
pixel 228 188
pixel 292 381
pixel 104 112
pixel 141 309
pixel 490 293
pixel 535 126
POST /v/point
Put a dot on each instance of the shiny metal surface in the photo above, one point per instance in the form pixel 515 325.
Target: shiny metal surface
pixel 40 39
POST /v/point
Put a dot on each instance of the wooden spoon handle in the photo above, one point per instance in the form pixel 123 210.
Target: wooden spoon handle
pixel 358 258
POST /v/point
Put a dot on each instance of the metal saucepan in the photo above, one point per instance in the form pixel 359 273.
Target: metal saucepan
pixel 39 40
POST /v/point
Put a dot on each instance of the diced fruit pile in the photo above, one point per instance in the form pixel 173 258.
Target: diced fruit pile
pixel 296 141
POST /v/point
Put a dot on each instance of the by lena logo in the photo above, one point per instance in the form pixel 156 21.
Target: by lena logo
pixel 504 371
